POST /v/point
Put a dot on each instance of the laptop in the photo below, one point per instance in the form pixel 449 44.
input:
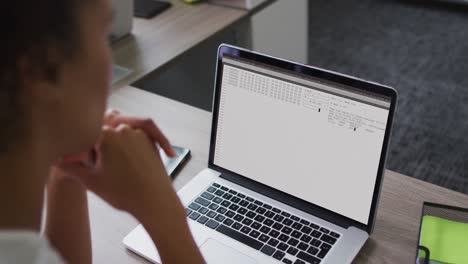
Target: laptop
pixel 296 161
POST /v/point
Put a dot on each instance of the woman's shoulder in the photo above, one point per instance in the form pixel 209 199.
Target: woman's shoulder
pixel 26 247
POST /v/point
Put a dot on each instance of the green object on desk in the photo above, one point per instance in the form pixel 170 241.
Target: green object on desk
pixel 192 1
pixel 446 240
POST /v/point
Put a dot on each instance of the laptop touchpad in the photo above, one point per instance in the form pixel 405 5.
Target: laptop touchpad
pixel 216 252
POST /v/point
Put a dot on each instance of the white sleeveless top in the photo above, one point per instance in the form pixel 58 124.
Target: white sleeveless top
pixel 26 247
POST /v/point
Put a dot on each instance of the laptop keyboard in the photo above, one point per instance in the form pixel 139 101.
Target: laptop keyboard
pixel 276 233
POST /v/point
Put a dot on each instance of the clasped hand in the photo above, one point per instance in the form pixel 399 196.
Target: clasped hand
pixel 124 168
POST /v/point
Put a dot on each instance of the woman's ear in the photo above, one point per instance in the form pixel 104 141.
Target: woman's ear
pixel 39 78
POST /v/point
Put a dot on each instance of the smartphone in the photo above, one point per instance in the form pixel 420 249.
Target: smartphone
pixel 173 164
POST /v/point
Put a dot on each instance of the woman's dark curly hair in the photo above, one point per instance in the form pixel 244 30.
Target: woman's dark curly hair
pixel 30 29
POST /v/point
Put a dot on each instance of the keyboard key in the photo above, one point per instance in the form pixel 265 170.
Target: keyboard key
pixel 213 206
pixel 263 238
pixel 313 251
pixel 273 242
pixel 225 203
pixel 202 201
pixel 308 258
pixel 306 238
pixel 267 250
pixel 257 202
pixel 202 220
pixel 315 243
pixel 287 222
pixel 216 185
pixel 296 234
pixel 324 230
pixel 260 210
pixel 252 207
pixel 241 195
pixel 267 206
pixel 211 189
pixel 242 211
pixel 187 212
pixel 203 210
pixel 285 214
pixel 278 218
pixel 328 239
pixel 219 193
pixel 265 229
pixel 259 218
pixel 325 246
pixel 238 217
pixel 246 229
pixel 254 234
pixel 287 261
pixel 314 226
pixel 283 237
pixel 286 230
pixel 298 261
pixel 249 199
pixel 194 206
pixel 276 210
pixel 256 225
pixel 297 226
pixel 211 214
pixel 269 214
pixel 230 214
pixel 240 237
pixel 221 210
pixel 292 251
pixel 247 221
pixel 212 224
pixel 303 246
pixel 305 222
pixel 194 215
pixel 268 222
pixel 335 235
pixel 306 230
pixel 217 200
pixel 219 218
pixel 232 192
pixel 274 233
pixel 293 242
pixel 227 196
pixel 295 218
pixel 250 214
pixel 235 199
pixel 322 253
pixel 282 246
pixel 207 196
pixel 243 203
pixel 316 234
pixel 228 222
pixel 224 188
pixel 236 226
pixel 277 226
pixel 279 255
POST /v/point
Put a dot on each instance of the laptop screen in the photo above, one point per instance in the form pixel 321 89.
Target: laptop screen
pixel 316 140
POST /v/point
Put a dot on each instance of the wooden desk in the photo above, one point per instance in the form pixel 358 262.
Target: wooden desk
pixel 156 42
pixel 395 235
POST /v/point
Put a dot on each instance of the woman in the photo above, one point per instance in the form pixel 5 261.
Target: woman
pixel 54 79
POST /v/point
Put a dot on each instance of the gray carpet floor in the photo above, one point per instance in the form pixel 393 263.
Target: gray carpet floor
pixel 421 49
